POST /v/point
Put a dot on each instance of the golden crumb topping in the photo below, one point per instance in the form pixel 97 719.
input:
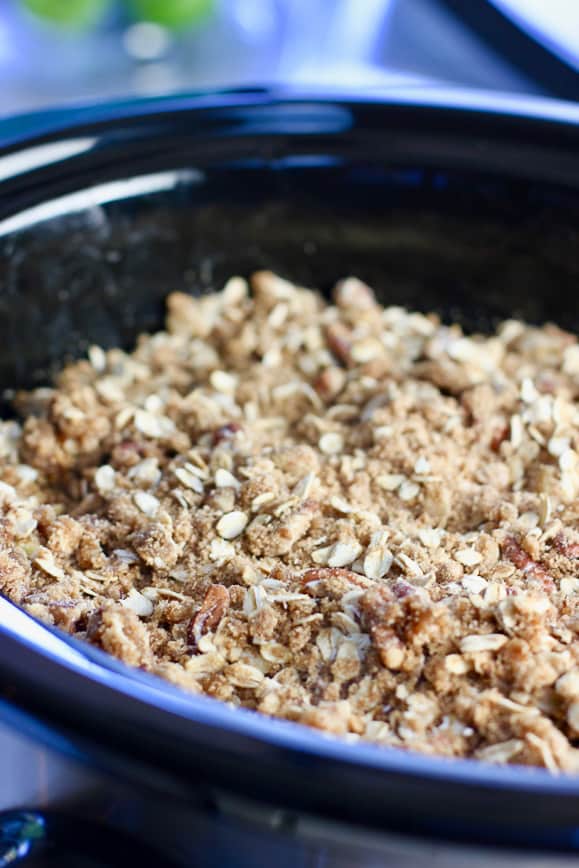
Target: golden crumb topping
pixel 345 515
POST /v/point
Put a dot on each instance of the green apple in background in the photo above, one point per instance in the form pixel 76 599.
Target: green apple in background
pixel 176 14
pixel 76 14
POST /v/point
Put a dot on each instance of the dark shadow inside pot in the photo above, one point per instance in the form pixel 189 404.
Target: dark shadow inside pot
pixel 475 248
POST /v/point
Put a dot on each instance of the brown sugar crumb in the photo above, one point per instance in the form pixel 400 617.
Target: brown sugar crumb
pixel 345 515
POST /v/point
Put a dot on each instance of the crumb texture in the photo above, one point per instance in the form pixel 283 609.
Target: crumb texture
pixel 345 515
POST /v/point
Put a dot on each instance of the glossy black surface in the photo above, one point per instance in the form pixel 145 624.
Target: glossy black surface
pixel 472 213
pixel 35 839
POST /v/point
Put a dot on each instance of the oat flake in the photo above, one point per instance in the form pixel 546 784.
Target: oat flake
pixel 147 503
pixel 232 524
pixel 331 443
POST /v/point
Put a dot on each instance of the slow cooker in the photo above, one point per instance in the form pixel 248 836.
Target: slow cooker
pixel 463 203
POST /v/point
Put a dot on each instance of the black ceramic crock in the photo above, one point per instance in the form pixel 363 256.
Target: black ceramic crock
pixel 462 203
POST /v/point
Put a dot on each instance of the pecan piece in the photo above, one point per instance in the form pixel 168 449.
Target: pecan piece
pixel 208 618
pixel 499 436
pixel 566 548
pixel 513 551
pixel 339 340
pixel 127 453
pixel 225 432
pixel 330 382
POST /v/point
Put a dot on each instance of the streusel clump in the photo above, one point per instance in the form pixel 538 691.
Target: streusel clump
pixel 345 515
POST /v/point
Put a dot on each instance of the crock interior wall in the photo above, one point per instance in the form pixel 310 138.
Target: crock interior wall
pixel 476 248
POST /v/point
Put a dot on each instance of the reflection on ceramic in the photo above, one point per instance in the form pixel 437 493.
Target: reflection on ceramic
pixel 92 197
pixel 30 775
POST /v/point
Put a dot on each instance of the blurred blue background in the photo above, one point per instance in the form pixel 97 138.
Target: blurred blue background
pixel 54 52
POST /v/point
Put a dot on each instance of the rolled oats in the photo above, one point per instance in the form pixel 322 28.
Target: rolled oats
pixel 138 603
pixel 408 490
pixel 331 443
pixel 377 562
pixel 343 553
pixel 189 479
pixel 487 642
pixel 468 557
pixel 104 479
pixel 232 524
pixel 147 503
pixel 225 479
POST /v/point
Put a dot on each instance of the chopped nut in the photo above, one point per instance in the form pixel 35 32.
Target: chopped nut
pixel 213 609
pixel 330 382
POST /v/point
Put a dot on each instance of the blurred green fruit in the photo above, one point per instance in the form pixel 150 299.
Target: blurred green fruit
pixel 172 13
pixel 70 13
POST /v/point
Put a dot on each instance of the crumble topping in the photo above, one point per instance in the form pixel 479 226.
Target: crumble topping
pixel 345 515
